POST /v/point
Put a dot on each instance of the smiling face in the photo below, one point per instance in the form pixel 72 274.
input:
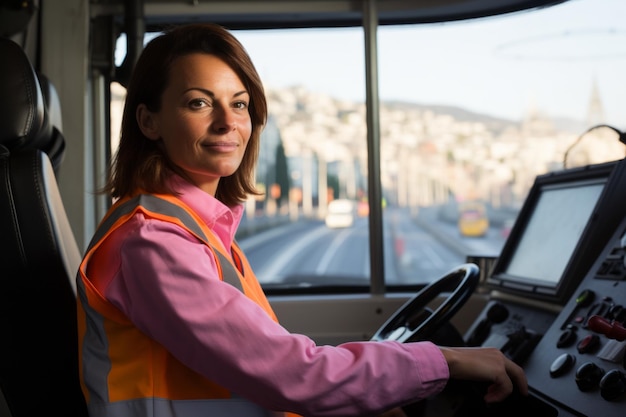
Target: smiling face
pixel 203 123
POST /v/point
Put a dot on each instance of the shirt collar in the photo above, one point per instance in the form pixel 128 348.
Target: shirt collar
pixel 220 218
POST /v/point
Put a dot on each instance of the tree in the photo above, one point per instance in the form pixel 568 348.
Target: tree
pixel 333 184
pixel 282 172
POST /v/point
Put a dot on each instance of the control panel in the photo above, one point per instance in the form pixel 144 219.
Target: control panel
pixel 574 359
pixel 512 328
pixel 580 362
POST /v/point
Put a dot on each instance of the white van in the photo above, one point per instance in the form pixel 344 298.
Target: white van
pixel 340 213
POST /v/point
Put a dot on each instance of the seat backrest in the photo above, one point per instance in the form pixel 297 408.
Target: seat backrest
pixel 39 255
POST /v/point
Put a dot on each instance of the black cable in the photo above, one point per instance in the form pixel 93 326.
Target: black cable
pixel 621 137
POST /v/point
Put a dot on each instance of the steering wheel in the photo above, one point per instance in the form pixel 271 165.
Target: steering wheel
pixel 414 321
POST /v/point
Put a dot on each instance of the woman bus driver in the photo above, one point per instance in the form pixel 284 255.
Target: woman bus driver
pixel 172 320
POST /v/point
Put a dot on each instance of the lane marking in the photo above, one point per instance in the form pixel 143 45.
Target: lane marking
pixel 331 250
pixel 275 270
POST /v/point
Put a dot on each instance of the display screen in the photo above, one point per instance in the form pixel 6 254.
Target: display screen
pixel 553 231
pixel 557 234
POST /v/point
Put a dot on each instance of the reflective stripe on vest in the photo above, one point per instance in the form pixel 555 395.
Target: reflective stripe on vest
pixel 159 205
pixel 190 394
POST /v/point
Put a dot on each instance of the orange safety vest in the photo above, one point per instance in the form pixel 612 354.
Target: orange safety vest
pixel 145 379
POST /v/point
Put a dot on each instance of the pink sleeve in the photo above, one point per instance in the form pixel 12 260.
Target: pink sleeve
pixel 168 286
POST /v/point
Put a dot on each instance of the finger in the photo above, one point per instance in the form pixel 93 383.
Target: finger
pixel 499 390
pixel 503 385
pixel 518 377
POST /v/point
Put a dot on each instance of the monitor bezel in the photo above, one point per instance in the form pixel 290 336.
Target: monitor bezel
pixel 607 212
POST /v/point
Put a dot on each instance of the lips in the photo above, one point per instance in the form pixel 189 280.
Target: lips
pixel 221 146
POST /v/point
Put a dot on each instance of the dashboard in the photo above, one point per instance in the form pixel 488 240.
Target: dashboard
pixel 558 307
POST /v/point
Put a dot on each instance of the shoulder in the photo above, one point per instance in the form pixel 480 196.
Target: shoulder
pixel 141 233
pixel 143 227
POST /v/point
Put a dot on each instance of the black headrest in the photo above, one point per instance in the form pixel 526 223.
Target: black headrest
pixel 25 118
pixel 15 15
pixel 55 145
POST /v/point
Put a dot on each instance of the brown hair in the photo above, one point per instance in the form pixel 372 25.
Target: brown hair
pixel 140 164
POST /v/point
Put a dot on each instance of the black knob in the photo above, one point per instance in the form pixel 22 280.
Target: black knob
pixel 612 385
pixel 588 376
pixel 585 298
pixel 567 338
pixel 562 364
pixel 497 313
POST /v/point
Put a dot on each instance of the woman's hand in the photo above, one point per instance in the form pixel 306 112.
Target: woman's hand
pixel 489 365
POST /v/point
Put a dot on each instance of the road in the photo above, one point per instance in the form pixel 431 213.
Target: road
pixel 308 253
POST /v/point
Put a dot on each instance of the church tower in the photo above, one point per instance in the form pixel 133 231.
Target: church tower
pixel 595 112
pixel 597 145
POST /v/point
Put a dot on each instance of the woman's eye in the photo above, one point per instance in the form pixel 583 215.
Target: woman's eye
pixel 198 103
pixel 241 105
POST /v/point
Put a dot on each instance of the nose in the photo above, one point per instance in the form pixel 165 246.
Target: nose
pixel 224 119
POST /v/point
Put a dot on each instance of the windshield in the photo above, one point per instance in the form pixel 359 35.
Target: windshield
pixel 470 112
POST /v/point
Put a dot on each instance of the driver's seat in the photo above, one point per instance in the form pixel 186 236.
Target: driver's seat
pixel 40 257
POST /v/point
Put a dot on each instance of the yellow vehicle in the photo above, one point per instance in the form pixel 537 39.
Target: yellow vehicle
pixel 473 220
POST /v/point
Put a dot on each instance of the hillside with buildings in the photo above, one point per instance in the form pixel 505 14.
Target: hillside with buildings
pixel 427 152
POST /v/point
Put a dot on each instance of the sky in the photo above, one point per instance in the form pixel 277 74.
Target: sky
pixel 546 60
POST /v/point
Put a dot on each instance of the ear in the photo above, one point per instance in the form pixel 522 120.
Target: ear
pixel 147 122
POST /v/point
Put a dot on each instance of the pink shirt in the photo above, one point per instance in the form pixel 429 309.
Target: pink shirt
pixel 166 282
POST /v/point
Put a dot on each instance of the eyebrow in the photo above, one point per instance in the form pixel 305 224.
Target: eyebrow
pixel 212 94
